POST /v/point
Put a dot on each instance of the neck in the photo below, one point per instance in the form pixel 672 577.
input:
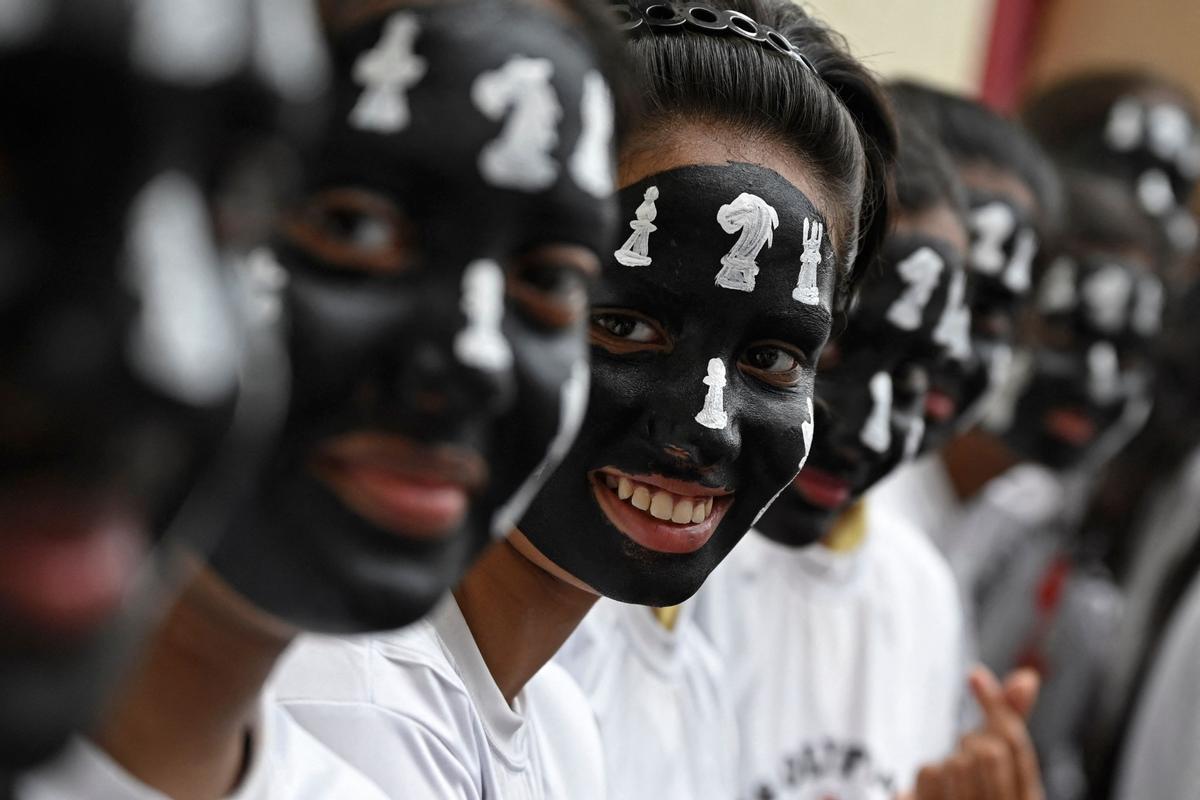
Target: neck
pixel 973 459
pixel 180 723
pixel 519 614
pixel 848 530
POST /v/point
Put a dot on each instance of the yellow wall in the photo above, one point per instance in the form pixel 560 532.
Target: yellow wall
pixel 939 41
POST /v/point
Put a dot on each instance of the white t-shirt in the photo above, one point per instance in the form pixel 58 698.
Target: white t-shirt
pixel 1161 760
pixel 418 712
pixel 286 764
pixel 921 494
pixel 661 700
pixel 847 667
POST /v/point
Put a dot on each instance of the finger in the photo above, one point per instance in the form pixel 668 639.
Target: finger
pixel 1021 691
pixel 994 767
pixel 960 783
pixel 988 692
pixel 931 782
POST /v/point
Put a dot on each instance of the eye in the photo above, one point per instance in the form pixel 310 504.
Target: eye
pixel 352 229
pixel 620 332
pixel 774 363
pixel 549 285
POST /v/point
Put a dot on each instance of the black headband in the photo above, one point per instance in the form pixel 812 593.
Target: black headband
pixel 636 17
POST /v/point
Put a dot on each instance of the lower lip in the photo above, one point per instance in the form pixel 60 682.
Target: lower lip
pixel 822 489
pixel 1072 427
pixel 939 406
pixel 402 504
pixel 656 535
pixel 66 572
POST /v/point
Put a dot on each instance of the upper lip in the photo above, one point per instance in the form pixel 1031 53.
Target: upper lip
pixel 436 463
pixel 672 485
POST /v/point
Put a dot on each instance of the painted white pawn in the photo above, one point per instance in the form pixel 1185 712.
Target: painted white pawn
pixel 806 285
pixel 757 221
pixel 636 250
pixel 877 431
pixel 387 72
pixel 713 414
pixel 482 344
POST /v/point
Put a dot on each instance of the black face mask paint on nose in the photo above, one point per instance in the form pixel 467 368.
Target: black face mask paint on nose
pixel 434 287
pixel 1085 358
pixel 872 384
pixel 697 419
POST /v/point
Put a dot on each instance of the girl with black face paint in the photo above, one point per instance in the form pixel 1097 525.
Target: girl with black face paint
pixel 1013 199
pixel 431 283
pixel 873 603
pixel 1036 593
pixel 133 404
pixel 692 426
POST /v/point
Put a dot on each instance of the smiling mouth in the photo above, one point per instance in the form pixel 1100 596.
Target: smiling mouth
pixel 822 489
pixel 1070 425
pixel 414 490
pixel 939 405
pixel 660 514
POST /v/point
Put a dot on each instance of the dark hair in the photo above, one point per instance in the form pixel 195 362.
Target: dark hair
pixel 925 174
pixel 1102 212
pixel 974 134
pixel 838 124
pixel 1070 118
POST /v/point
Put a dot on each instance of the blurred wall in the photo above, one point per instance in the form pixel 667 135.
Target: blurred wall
pixel 1163 35
pixel 940 41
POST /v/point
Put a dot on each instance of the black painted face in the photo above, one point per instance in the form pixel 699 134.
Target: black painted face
pixel 1159 143
pixel 1004 243
pixel 706 328
pixel 872 384
pixel 1085 360
pixel 119 363
pixel 434 285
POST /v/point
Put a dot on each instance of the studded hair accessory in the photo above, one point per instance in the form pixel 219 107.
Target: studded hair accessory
pixel 636 18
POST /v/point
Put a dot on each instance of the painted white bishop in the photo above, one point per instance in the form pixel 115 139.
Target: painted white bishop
pixel 386 74
pixel 636 250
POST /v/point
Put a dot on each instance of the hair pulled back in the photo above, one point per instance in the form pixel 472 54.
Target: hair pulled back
pixel 839 124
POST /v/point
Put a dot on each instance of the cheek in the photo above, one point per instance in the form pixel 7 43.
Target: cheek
pixel 772 437
pixel 544 365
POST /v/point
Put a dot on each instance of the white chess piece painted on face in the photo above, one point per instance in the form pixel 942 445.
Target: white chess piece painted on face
pixel 520 157
pixel 757 222
pixel 636 250
pixel 713 414
pixel 482 344
pixel 877 431
pixel 806 285
pixel 592 162
pixel 386 74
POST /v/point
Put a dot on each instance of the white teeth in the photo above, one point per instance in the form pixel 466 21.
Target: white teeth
pixel 625 489
pixel 641 498
pixel 660 504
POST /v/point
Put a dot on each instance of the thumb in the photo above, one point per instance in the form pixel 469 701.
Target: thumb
pixel 1021 689
pixel 988 692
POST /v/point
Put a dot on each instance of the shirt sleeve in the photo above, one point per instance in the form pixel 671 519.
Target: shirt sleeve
pixel 398 753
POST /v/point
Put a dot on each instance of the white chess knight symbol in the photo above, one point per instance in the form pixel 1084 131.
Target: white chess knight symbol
pixel 713 414
pixel 636 250
pixel 757 221
pixel 520 157
pixel 806 285
pixel 877 431
pixel 482 344
pixel 387 73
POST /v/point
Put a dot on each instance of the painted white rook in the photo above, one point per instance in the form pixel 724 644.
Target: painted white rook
pixel 757 222
pixel 713 414
pixel 806 285
pixel 387 73
pixel 636 250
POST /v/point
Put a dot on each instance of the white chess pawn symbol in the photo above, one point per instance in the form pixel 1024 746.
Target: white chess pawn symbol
pixel 806 285
pixel 757 221
pixel 636 250
pixel 482 343
pixel 877 431
pixel 387 72
pixel 713 414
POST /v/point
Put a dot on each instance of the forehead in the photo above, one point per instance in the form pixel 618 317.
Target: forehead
pixel 940 222
pixel 986 179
